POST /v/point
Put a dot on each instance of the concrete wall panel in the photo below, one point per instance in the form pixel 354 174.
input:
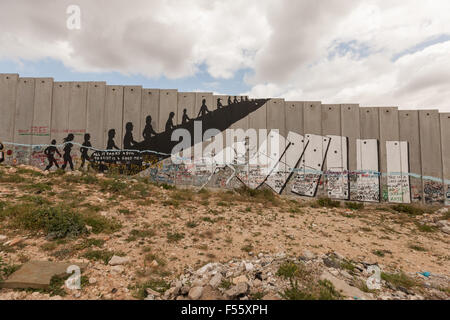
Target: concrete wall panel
pixel 168 102
pixel 186 100
pixel 370 123
pixel 114 114
pixel 95 114
pixel 312 117
pixel 132 102
pixel 368 181
pixel 77 118
pixel 256 120
pixel 445 141
pixel 389 131
pixel 350 128
pixel 41 121
pixel 8 88
pixel 294 117
pixel 306 179
pixel 337 183
pixel 398 172
pixel 199 97
pixel 331 126
pixel 409 131
pixel 60 114
pixel 23 120
pixel 276 122
pixel 430 143
pixel 150 107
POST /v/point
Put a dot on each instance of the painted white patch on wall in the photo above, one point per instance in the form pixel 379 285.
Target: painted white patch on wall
pixel 306 179
pixel 337 169
pixel 277 148
pixel 368 179
pixel 398 172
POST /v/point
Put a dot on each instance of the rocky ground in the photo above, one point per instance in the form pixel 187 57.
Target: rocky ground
pixel 146 241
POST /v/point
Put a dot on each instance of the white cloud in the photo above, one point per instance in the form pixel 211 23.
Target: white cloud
pixel 330 50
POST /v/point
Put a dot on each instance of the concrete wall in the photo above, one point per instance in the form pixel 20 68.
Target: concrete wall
pixel 322 150
pixel 409 131
pixel 431 155
pixel 350 128
pixel 445 141
pixel 8 91
pixel 132 101
pixel 23 120
pixel 114 114
pixel 95 114
pixel 389 131
pixel 42 111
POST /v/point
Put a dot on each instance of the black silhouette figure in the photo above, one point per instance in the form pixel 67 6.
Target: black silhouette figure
pixel 111 144
pixel 203 109
pixel 220 119
pixel 128 141
pixel 235 100
pixel 67 149
pixel 148 130
pixel 219 104
pixel 246 98
pixel 84 149
pixel 50 153
pixel 229 101
pixel 186 118
pixel 169 123
pixel 2 155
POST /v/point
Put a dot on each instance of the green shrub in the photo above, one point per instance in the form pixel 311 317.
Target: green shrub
pixel 140 290
pixel 328 203
pixel 57 222
pixel 288 270
pixel 174 237
pixel 258 195
pixel 114 186
pixel 399 280
pixel 101 224
pixel 99 255
pixel 408 209
pixel 354 205
pixel 7 269
pixel 425 228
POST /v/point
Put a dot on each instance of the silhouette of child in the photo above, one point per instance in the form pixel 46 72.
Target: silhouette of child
pixel 128 141
pixel 67 149
pixel 84 151
pixel 148 130
pixel 229 101
pixel 169 123
pixel 186 118
pixel 203 109
pixel 219 104
pixel 111 144
pixel 50 153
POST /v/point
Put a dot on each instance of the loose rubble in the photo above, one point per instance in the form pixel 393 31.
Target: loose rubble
pixel 258 279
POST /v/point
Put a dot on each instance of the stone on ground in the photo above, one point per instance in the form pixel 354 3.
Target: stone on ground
pixel 344 288
pixel 37 274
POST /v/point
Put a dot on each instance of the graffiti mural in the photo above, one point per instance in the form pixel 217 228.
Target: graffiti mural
pixel 307 176
pixel 169 140
pixel 336 176
pixel 433 192
pixel 398 172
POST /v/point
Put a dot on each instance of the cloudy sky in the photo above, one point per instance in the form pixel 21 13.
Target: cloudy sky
pixel 372 52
